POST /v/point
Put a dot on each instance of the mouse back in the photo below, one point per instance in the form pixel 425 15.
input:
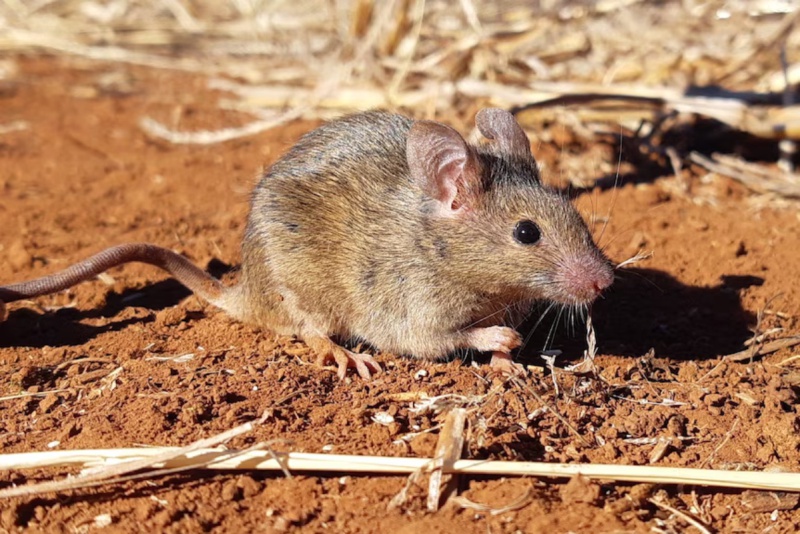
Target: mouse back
pixel 337 202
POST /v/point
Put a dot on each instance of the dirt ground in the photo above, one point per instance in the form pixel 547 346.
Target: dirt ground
pixel 99 364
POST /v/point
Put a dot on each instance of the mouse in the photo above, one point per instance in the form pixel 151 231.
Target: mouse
pixel 396 233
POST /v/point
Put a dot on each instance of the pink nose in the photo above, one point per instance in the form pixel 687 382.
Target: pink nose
pixel 604 280
pixel 584 279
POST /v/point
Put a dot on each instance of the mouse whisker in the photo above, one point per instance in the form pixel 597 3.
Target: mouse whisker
pixel 626 272
pixel 502 310
pixel 614 196
pixel 571 316
pixel 538 322
pixel 551 335
pixel 627 229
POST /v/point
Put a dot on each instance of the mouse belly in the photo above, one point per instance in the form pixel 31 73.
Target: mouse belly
pixel 425 328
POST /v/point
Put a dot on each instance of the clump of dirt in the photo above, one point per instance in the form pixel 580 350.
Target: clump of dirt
pixel 134 359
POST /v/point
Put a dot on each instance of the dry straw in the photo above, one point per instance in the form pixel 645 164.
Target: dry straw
pixel 102 466
pixel 256 460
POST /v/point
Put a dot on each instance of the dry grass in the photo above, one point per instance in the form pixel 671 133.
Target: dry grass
pixel 429 57
pixel 282 60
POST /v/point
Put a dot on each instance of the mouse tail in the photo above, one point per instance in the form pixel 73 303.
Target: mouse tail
pixel 197 280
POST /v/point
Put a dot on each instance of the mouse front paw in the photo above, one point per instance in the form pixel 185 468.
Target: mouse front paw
pixel 493 339
pixel 3 311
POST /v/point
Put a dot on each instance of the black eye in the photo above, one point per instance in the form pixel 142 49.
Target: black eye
pixel 527 233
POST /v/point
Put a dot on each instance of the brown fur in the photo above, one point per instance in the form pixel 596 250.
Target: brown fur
pixel 342 241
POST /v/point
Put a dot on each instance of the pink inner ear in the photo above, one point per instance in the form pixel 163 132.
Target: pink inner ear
pixel 450 177
pixel 439 160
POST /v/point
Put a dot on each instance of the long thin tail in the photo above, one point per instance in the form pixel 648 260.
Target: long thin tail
pixel 197 280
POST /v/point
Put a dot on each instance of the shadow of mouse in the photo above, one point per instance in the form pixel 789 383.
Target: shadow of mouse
pixel 30 328
pixel 649 309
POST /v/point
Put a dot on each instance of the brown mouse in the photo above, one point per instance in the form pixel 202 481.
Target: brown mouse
pixel 378 228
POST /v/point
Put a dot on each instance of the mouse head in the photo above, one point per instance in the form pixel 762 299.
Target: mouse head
pixel 505 229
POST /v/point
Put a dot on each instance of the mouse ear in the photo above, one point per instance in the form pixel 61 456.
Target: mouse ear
pixel 443 164
pixel 501 127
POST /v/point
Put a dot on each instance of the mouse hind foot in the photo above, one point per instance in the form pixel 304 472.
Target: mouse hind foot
pixel 330 352
pixel 503 363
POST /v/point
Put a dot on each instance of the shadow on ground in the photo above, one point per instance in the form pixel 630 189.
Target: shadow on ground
pixel 647 308
pixel 30 328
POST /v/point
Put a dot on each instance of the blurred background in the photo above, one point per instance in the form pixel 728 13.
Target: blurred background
pixel 318 58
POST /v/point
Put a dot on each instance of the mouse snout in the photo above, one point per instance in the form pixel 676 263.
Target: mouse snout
pixel 584 279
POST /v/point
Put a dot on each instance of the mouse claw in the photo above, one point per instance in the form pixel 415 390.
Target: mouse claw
pixel 364 364
pixel 503 363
